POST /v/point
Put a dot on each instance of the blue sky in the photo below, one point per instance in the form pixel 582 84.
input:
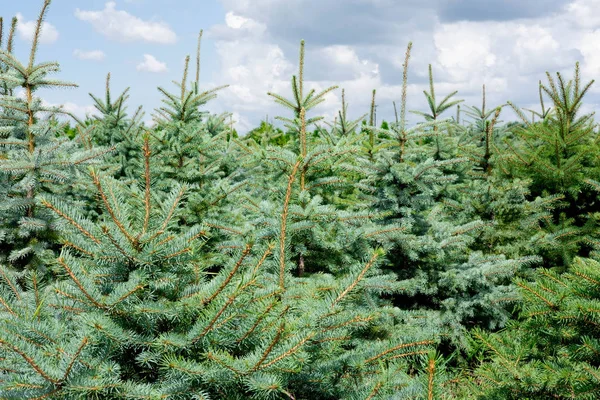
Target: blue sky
pixel 87 54
pixel 358 44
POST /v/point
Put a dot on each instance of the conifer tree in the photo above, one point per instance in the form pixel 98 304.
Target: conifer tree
pixel 137 314
pixel 435 110
pixel 37 157
pixel 267 134
pixel 515 220
pixel 343 126
pixel 197 148
pixel 415 171
pixel 321 260
pixel 559 154
pixel 324 224
pixel 552 350
pixel 114 127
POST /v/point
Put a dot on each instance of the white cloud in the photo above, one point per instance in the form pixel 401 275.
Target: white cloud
pixel 78 110
pixel 93 55
pixel 589 45
pixel 252 66
pixel 467 48
pixel 121 26
pixel 151 64
pixel 584 13
pixel 26 29
pixel 464 49
pixel 344 57
pixel 237 27
pixel 535 48
pixel 234 21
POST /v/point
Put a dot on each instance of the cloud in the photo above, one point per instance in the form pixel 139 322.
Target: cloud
pixel 583 13
pixel 93 55
pixel 79 110
pixel 494 10
pixel 237 27
pixel 327 22
pixel 252 65
pixel 151 64
pixel 344 63
pixel 464 50
pixel 124 27
pixel 26 29
pixel 508 46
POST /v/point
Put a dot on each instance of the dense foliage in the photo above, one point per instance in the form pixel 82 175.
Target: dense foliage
pixel 318 259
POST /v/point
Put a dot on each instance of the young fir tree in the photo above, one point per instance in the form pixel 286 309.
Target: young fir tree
pixel 439 144
pixel 197 148
pixel 412 174
pixel 114 127
pixel 324 221
pixel 37 157
pixel 137 314
pixel 515 222
pixel 342 126
pixel 559 154
pixel 551 352
pixel 267 134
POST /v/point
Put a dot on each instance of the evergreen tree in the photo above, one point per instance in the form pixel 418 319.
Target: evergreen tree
pixel 559 154
pixel 552 350
pixel 137 314
pixel 324 223
pixel 113 127
pixel 413 174
pixel 344 259
pixel 267 134
pixel 515 220
pixel 37 157
pixel 435 111
pixel 197 148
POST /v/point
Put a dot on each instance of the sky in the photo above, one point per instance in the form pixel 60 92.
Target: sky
pixel 359 45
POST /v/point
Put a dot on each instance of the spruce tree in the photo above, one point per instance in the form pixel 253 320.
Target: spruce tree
pixel 197 148
pixel 322 217
pixel 114 127
pixel 413 174
pixel 552 350
pixel 137 314
pixel 37 157
pixel 559 154
pixel 515 220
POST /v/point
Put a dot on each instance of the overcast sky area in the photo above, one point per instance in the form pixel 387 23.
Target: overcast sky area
pixel 359 45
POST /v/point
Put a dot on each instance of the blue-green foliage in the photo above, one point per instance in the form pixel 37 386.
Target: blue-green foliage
pixel 36 157
pixel 315 260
